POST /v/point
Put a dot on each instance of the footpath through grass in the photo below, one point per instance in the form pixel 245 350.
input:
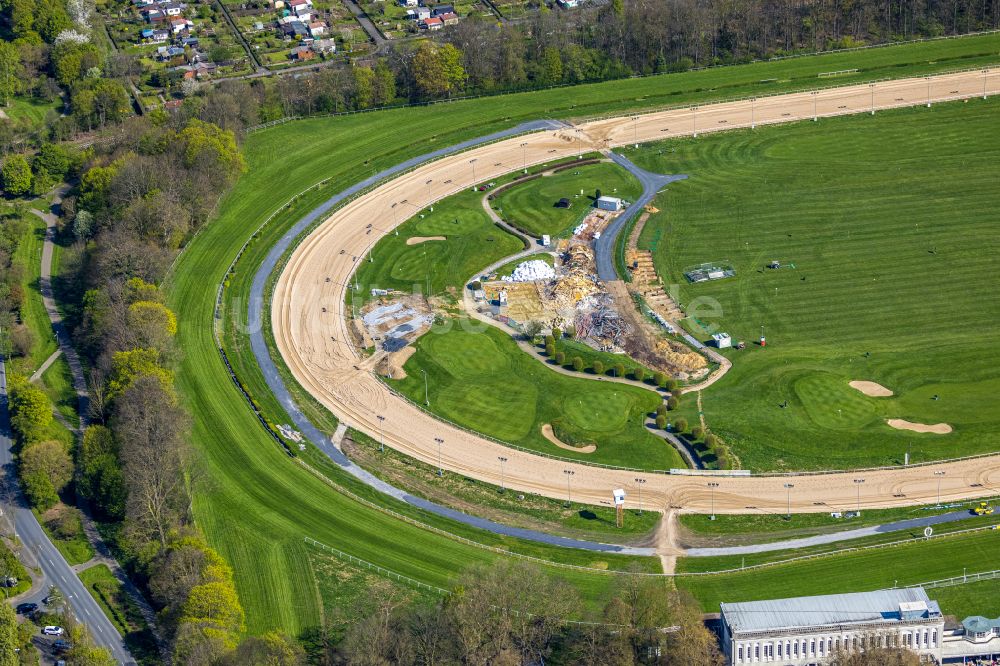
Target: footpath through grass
pixel 258 505
pixel 882 279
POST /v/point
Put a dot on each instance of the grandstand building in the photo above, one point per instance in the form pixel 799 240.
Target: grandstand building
pixel 808 630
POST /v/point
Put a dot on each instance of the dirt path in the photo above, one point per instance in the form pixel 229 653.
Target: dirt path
pixel 667 548
pixel 315 345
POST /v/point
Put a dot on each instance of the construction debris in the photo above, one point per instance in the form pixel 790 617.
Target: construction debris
pixel 530 271
pixel 393 324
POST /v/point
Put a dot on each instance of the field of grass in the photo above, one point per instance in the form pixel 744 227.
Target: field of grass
pixel 483 499
pixel 531 206
pixel 479 379
pixel 473 242
pixel 29 256
pixel 75 548
pixel 30 109
pixel 257 506
pixel 122 611
pixel 728 562
pixel 883 279
pixel 874 569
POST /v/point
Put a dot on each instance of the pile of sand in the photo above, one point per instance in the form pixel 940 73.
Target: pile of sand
pixel 937 428
pixel 871 389
pixel 395 361
pixel 417 240
pixel 551 436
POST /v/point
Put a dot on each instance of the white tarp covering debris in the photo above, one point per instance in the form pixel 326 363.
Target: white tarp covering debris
pixel 530 271
pixel 580 229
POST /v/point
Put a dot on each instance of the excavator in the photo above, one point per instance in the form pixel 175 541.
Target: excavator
pixel 984 509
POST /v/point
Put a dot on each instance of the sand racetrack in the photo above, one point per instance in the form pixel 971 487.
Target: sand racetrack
pixel 871 389
pixel 937 428
pixel 311 330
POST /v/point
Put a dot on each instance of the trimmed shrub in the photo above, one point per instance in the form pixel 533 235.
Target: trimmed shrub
pixel 660 379
pixel 681 425
pixel 561 358
pixel 578 364
pixel 661 421
pixel 673 403
pixel 598 368
pixel 639 374
pixel 697 432
pixel 619 370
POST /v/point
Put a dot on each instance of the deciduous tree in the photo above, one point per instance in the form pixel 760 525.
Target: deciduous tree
pixel 16 174
pixel 46 468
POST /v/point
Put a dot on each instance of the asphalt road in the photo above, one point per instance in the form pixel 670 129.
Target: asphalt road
pixel 54 567
pixel 604 247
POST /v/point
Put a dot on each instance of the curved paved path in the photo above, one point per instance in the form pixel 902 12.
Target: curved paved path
pixel 833 537
pixel 315 343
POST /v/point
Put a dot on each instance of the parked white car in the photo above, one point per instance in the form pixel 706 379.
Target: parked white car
pixel 52 631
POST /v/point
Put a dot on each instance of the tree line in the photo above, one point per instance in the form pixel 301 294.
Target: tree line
pixel 618 39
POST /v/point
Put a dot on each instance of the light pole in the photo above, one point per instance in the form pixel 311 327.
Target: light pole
pixel 429 200
pixel 473 163
pixel 439 443
pixel 713 485
pixel 939 475
pixel 788 500
pixel 872 87
pixel 381 434
pixel 858 483
pixel 928 91
pixel 569 476
pixel 815 96
pixel 524 156
pixel 694 121
pixel 635 130
pixel 753 113
pixel 502 461
pixel 985 72
pixel 427 397
pixel 640 482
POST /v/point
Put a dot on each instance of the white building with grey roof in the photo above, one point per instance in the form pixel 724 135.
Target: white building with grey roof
pixel 805 631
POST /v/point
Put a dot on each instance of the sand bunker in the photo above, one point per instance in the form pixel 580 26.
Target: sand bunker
pixel 937 428
pixel 551 436
pixel 417 240
pixel 871 389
